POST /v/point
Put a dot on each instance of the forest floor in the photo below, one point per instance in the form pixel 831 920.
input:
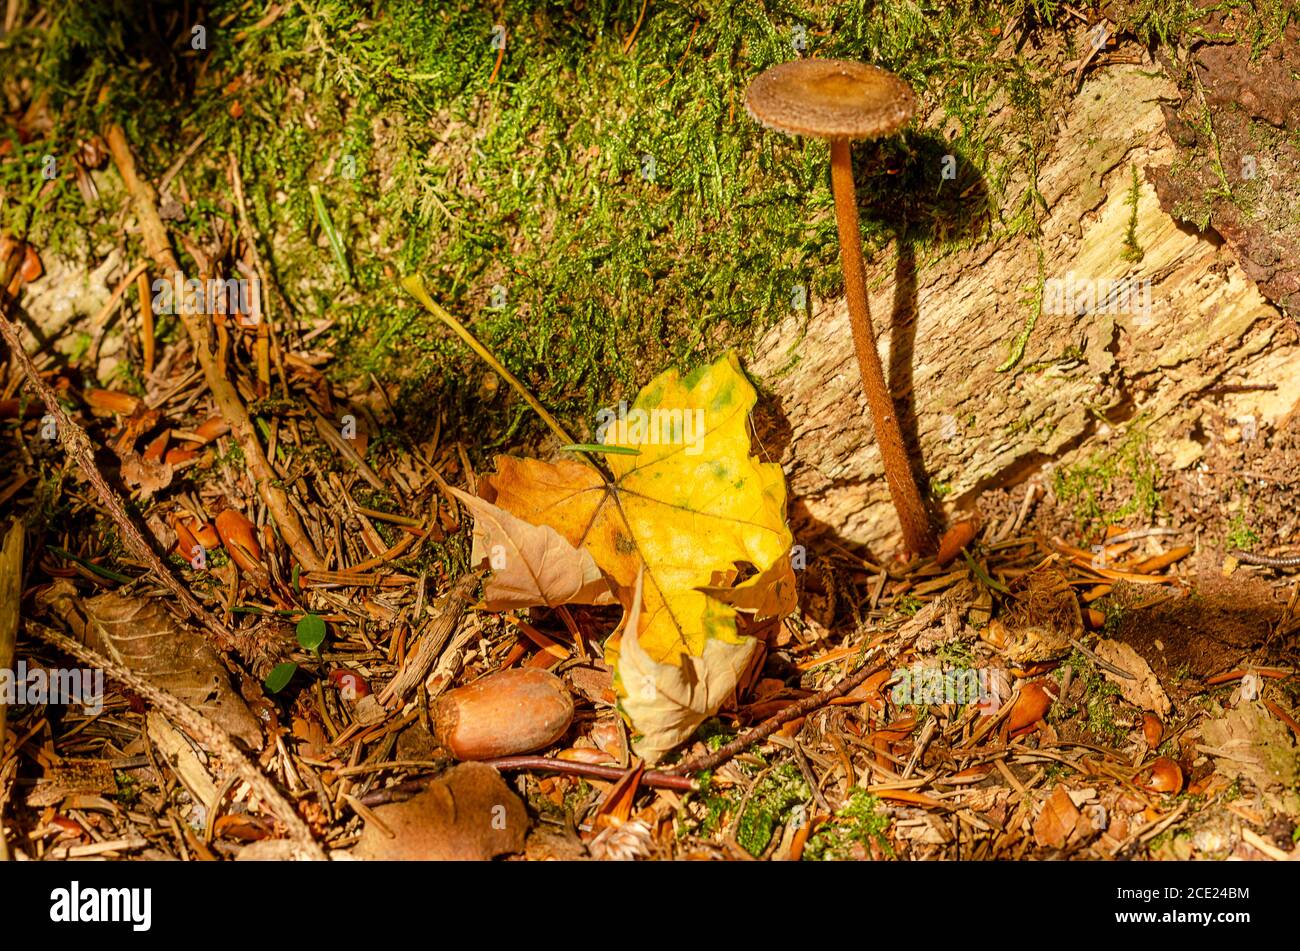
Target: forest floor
pixel 1086 672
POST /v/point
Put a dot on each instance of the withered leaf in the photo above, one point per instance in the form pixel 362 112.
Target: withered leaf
pixel 142 636
pixel 1056 820
pixel 1249 742
pixel 467 814
pixel 144 474
pixel 531 564
pixel 1143 690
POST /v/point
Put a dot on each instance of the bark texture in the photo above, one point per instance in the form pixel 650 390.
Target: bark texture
pixel 1082 374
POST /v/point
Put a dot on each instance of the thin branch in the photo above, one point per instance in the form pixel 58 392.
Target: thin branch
pixel 79 447
pixel 807 705
pixel 802 708
pixel 654 778
pixel 201 729
pixel 224 394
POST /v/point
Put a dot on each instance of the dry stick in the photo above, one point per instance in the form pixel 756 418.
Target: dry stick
pixel 653 778
pixel 627 45
pixel 433 637
pixel 201 729
pixel 11 585
pixel 224 394
pixel 773 723
pixel 78 446
pixel 119 292
pixel 146 322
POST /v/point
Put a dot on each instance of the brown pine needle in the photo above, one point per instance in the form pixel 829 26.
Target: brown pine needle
pixel 501 55
pixel 639 20
pixel 146 321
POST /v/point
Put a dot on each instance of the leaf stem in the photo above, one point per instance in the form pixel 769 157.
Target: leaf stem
pixel 414 286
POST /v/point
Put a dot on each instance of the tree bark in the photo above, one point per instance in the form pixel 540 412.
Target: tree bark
pixel 1081 375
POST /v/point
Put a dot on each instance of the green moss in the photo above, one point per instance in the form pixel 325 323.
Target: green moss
pixel 908 605
pixel 1098 705
pixel 627 208
pixel 1088 486
pixel 957 653
pixel 1132 251
pixel 769 805
pixel 128 791
pixel 1240 534
pixel 1034 303
pixel 858 822
pixel 715 734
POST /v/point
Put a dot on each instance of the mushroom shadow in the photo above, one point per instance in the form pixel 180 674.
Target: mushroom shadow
pixel 916 189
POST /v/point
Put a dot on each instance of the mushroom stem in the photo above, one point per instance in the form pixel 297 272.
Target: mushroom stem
pixel 918 534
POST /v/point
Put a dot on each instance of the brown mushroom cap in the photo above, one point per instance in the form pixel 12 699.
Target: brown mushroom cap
pixel 830 99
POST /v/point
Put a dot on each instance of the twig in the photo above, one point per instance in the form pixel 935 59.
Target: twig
pixel 1100 661
pixel 224 394
pixel 78 446
pixel 773 723
pixel 11 586
pixel 203 730
pixel 660 780
pixel 147 342
pixel 433 637
pixel 1031 492
pixel 115 298
pixel 636 29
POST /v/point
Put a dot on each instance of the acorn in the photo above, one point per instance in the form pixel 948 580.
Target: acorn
pixel 509 712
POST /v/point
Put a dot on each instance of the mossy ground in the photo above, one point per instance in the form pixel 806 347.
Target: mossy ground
pixel 593 211
pixel 1112 485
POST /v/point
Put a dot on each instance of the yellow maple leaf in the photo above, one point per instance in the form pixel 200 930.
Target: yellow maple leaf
pixel 698 512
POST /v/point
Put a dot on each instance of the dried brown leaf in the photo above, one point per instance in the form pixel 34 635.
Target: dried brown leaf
pixel 467 814
pixel 1144 689
pixel 139 472
pixel 142 636
pixel 532 565
pixel 1056 820
pixel 1248 742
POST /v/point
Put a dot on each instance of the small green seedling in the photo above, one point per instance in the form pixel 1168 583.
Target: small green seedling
pixel 311 632
pixel 279 678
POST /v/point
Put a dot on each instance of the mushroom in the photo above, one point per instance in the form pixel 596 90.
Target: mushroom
pixel 839 101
